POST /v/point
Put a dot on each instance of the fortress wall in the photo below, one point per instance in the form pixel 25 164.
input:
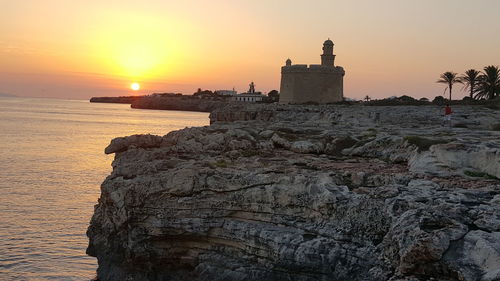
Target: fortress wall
pixel 325 88
pixel 317 84
pixel 287 87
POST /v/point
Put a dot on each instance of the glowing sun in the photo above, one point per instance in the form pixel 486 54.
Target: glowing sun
pixel 135 86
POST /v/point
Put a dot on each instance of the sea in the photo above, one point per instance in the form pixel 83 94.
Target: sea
pixel 52 163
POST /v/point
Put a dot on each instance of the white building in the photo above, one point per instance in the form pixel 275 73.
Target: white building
pixel 250 96
pixel 245 97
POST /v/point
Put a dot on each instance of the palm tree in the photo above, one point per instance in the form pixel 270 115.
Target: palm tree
pixel 449 78
pixel 489 85
pixel 471 79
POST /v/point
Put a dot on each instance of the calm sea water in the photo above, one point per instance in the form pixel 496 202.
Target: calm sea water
pixel 51 166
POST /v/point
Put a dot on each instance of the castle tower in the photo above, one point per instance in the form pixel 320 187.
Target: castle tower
pixel 328 58
pixel 316 83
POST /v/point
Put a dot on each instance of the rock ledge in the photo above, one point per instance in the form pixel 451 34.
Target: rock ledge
pixel 305 193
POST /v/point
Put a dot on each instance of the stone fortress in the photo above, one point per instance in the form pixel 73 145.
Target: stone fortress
pixel 316 83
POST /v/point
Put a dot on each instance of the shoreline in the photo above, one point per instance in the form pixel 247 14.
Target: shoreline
pixel 166 102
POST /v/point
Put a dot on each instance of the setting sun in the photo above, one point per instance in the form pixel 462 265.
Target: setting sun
pixel 135 86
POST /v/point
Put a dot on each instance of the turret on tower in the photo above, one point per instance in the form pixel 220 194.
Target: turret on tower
pixel 328 58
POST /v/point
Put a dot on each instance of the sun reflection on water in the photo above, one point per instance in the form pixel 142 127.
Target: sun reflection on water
pixel 52 164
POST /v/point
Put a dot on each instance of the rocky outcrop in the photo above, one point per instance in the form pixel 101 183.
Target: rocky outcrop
pixel 167 102
pixel 182 103
pixel 472 117
pixel 456 158
pixel 128 99
pixel 125 143
pixel 304 193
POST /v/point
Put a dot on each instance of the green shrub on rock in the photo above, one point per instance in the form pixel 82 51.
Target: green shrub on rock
pixel 496 127
pixel 479 175
pixel 460 125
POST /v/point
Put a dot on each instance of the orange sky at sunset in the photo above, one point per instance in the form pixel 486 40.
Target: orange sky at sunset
pixel 78 49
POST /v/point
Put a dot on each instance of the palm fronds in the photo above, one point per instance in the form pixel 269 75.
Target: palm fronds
pixel 471 80
pixel 489 83
pixel 449 78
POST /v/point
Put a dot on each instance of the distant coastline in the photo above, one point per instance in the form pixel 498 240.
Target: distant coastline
pixel 167 102
pixel 4 95
pixel 208 103
pixel 123 99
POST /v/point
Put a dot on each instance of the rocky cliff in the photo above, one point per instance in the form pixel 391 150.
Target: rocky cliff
pixel 128 99
pixel 305 193
pixel 183 103
pixel 167 102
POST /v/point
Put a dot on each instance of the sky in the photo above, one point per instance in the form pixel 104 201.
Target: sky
pixel 82 48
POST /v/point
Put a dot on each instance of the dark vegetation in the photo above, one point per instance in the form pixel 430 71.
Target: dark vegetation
pixel 402 100
pixel 272 96
pixel 480 84
pixel 449 78
pixel 479 175
pixel 249 153
pixel 219 164
pixel 496 127
pixel 439 100
pixel 460 125
pixel 483 87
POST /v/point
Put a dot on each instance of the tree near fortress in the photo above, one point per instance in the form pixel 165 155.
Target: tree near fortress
pixel 449 78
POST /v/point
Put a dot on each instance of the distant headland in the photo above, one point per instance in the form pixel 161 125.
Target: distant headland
pixel 121 99
pixel 167 101
pixel 201 100
pixel 5 95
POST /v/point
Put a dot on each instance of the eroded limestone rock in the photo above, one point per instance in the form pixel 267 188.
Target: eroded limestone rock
pixel 302 193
